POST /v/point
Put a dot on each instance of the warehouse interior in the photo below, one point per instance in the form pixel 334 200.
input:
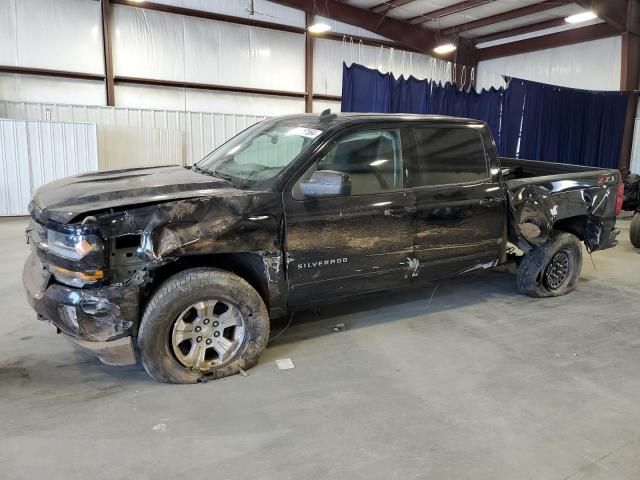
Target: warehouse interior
pixel 459 377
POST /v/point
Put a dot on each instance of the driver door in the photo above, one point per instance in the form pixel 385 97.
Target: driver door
pixel 341 246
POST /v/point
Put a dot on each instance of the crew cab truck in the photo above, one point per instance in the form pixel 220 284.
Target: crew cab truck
pixel 188 266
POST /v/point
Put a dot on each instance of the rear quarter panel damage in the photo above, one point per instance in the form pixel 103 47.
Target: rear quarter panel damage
pixel 580 207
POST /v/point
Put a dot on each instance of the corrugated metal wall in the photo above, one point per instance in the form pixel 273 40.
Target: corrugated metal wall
pixel 201 132
pixel 14 168
pixel 34 153
pixel 58 150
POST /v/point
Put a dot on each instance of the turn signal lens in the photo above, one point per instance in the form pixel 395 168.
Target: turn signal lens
pixel 76 279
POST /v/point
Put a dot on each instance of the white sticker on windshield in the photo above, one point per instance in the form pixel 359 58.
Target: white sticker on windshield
pixel 304 132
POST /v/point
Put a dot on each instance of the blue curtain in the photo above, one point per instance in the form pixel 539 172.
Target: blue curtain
pixel 528 119
pixel 567 125
pixel 365 90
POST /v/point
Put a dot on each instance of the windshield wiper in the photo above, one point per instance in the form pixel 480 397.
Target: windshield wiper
pixel 213 173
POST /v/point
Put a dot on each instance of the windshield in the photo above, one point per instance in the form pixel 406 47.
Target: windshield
pixel 259 153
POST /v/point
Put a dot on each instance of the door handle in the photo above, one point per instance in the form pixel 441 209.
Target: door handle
pixel 398 211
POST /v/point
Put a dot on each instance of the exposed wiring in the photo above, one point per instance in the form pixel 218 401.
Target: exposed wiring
pixel 433 293
pixel 283 330
pixel 592 261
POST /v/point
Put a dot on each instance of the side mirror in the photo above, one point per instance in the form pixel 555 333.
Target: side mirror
pixel 327 183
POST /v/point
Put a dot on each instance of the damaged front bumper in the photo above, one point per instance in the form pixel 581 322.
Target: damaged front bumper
pixel 99 320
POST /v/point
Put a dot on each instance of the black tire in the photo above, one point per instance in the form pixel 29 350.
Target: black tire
pixel 533 278
pixel 634 232
pixel 174 296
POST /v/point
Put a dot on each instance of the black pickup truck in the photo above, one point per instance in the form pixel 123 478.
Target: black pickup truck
pixel 188 266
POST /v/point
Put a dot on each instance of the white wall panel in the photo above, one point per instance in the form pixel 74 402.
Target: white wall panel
pixel 277 60
pixel 127 147
pixel 242 103
pixel 58 150
pixel 33 88
pixel 150 97
pixel 229 54
pixel 15 191
pixel 53 34
pixel 591 65
pixel 264 11
pixel 200 132
pixel 139 96
pixel 151 44
pixel 147 44
pixel 330 54
pixel 8 33
pixel 320 105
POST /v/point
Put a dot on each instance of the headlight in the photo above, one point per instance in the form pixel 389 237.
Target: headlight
pixel 75 279
pixel 72 246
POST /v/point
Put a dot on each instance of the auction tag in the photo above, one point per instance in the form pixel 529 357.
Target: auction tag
pixel 304 132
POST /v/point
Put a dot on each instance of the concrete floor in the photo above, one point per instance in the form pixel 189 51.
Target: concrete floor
pixel 481 384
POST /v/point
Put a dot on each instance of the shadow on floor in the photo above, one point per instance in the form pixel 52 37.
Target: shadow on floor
pixel 389 306
pixel 73 373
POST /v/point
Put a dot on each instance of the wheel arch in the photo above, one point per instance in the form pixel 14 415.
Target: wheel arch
pixel 251 267
pixel 576 226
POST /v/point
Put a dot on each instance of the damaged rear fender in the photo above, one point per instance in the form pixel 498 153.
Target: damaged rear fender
pixel 535 211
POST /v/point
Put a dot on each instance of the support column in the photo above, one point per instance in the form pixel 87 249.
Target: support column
pixel 106 48
pixel 629 80
pixel 308 64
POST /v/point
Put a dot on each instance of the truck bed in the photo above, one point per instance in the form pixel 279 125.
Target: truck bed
pixel 517 172
pixel 545 196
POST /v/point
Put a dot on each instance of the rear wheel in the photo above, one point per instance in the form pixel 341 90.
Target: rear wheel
pixel 634 234
pixel 551 269
pixel 200 325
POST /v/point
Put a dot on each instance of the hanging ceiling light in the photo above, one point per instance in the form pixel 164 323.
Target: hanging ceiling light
pixel 319 27
pixel 445 48
pixel 581 17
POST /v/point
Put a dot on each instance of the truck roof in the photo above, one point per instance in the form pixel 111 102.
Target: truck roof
pixel 355 118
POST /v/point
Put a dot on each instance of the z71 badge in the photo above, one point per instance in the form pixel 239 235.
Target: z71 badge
pixel 322 263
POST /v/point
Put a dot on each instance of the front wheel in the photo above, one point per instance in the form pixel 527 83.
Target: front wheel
pixel 634 233
pixel 202 324
pixel 551 269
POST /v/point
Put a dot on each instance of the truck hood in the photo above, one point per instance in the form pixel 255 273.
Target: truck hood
pixel 63 200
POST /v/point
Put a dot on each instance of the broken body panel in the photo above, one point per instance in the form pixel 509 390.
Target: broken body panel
pixel 294 251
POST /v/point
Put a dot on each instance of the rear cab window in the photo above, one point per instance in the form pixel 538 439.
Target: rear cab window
pixel 449 155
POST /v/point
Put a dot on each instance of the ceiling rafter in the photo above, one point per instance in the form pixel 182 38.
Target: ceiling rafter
pixel 568 37
pixel 450 10
pixel 505 16
pixel 512 32
pixel 623 15
pixel 391 4
pixel 413 36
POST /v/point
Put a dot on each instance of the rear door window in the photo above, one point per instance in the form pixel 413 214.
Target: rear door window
pixel 450 155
